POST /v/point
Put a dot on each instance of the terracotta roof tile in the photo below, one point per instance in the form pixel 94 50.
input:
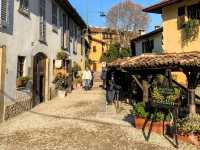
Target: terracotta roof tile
pixel 159 61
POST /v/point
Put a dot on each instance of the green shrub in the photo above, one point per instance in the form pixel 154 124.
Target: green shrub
pixel 62 56
pixel 60 81
pixel 168 96
pixel 24 80
pixel 139 110
pixel 189 125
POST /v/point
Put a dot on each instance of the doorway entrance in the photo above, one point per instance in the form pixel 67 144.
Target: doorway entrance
pixel 39 73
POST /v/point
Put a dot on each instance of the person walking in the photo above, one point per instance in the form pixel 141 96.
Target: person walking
pixel 87 77
pixel 104 77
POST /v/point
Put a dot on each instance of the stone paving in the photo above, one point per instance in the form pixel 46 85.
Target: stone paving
pixel 81 121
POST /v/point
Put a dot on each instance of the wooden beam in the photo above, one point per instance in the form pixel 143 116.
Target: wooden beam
pixel 138 82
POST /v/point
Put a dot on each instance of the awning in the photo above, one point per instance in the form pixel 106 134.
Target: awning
pixel 187 60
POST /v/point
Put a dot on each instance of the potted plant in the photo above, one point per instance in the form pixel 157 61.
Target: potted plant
pixel 141 113
pixel 61 85
pixel 62 56
pixel 189 129
pixel 22 81
pixel 165 97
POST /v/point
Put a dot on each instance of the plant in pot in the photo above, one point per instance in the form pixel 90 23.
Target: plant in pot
pixel 61 85
pixel 189 129
pixel 62 56
pixel 165 96
pixel 141 113
pixel 22 81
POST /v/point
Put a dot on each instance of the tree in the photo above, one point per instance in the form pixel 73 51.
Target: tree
pixel 114 53
pixel 127 18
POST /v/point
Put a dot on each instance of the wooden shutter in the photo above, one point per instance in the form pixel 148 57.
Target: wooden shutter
pixel 4 12
pixel 42 21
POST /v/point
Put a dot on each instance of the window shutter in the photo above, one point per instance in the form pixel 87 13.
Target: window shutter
pixel 42 21
pixel 4 12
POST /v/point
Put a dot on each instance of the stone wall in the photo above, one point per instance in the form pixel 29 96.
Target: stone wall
pixel 23 103
pixel 17 108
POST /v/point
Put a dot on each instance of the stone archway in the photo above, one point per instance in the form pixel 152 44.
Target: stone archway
pixel 39 78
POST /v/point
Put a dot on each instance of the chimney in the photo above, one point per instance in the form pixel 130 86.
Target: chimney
pixel 157 27
pixel 141 32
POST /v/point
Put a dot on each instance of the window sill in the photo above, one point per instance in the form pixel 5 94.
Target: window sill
pixel 43 41
pixel 24 12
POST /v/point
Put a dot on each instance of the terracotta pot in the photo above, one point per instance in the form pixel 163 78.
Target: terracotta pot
pixel 18 83
pixel 192 139
pixel 156 126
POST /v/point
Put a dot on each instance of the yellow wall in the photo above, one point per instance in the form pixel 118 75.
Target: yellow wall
pixel 172 36
pixel 100 47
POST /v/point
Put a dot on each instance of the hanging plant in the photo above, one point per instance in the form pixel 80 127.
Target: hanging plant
pixel 191 29
pixel 62 56
pixel 165 96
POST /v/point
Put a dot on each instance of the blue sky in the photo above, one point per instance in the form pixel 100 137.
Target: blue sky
pixel 94 6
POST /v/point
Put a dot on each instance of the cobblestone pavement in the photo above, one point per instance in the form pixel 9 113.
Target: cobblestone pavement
pixel 81 121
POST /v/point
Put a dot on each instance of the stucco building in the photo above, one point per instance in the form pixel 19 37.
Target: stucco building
pixel 148 42
pixel 32 32
pixel 180 28
pixel 100 40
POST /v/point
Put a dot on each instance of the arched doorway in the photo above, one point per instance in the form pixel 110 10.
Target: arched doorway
pixel 39 74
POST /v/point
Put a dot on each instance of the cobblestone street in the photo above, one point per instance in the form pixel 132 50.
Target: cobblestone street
pixel 81 121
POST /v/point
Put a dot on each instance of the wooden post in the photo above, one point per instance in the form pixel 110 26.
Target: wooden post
pixel 191 99
pixel 192 78
pixel 145 85
pixel 2 81
pixel 47 80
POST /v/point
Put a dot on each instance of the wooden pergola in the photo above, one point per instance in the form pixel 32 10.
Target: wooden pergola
pixel 152 64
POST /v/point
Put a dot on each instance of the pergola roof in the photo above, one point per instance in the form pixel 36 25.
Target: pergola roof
pixel 159 61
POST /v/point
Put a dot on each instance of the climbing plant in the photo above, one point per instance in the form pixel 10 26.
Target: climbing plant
pixel 191 29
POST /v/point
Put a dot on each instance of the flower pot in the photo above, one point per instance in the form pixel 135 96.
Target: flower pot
pixel 192 139
pixel 156 126
pixel 61 93
pixel 18 83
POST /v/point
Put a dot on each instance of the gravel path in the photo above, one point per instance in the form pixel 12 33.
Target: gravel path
pixel 81 121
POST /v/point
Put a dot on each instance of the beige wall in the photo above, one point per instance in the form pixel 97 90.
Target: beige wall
pixel 157 43
pixel 172 35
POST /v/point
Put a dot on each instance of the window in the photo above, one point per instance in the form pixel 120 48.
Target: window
pixel 147 46
pixel 74 37
pixel 24 7
pixel 42 21
pixel 194 11
pixel 20 66
pixel 107 35
pixel 3 12
pixel 94 49
pixel 54 16
pixel 65 33
pixel 181 17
